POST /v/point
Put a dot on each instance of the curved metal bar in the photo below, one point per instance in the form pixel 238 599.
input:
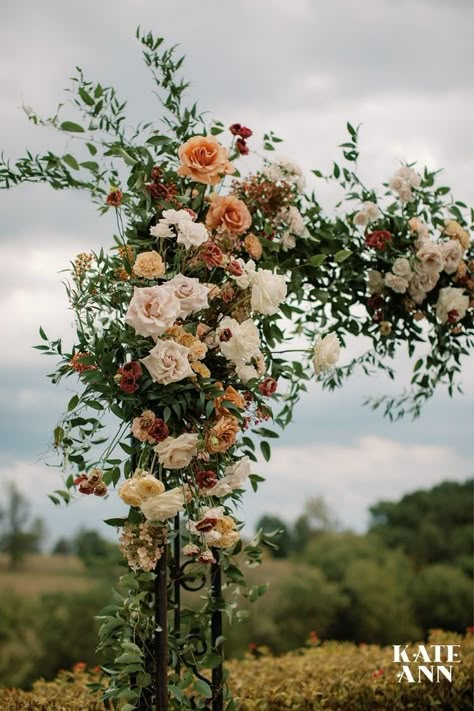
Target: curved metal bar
pixel 185 579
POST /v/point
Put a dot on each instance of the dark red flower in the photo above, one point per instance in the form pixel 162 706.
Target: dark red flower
pixel 156 174
pixel 86 488
pixel 268 386
pixel 375 302
pixel 377 673
pixel 133 369
pixel 128 384
pixel 238 130
pixel 206 479
pixel 114 198
pixel 453 316
pixel 79 479
pixel 94 478
pixel 378 239
pixel 159 430
pixel 100 489
pixel 242 147
pixel 206 524
pixel 225 335
pixel 235 268
pixel 211 255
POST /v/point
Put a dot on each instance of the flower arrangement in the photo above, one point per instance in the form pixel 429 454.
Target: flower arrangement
pixel 182 327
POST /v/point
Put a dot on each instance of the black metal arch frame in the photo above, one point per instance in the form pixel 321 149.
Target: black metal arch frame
pixel 165 589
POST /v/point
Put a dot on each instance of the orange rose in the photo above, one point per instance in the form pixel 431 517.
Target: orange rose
pixel 232 396
pixel 230 213
pixel 222 435
pixel 253 246
pixel 204 160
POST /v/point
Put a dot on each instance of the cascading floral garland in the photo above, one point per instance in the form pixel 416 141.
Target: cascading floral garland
pixel 184 325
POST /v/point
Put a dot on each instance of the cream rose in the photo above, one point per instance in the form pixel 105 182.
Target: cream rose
pixel 238 342
pixel 452 254
pixel 191 294
pixel 429 259
pixel 204 160
pixel 372 211
pixel 248 273
pixel 164 506
pixel 128 493
pixel 168 363
pixel 148 485
pixel 452 304
pixel 361 218
pixel 152 310
pixel 375 281
pixel 177 452
pixel 396 283
pixel 326 353
pixel 268 291
pixel 401 268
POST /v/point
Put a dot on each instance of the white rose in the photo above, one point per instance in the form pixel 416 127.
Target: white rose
pixel 161 231
pixel 294 220
pixel 234 477
pixel 191 294
pixel 396 283
pixel 268 291
pixel 176 217
pixel 361 218
pixel 168 363
pixel 288 241
pixel 326 353
pixel 429 259
pixel 284 169
pixel 401 268
pixel 375 281
pixel 245 372
pixel 152 310
pixel 451 252
pixel 371 210
pixel 405 194
pixel 177 452
pixel 449 300
pixel 244 341
pixel 192 234
pixel 147 485
pixel 244 280
pixel 163 506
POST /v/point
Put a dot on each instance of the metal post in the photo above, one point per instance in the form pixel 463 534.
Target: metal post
pixel 177 587
pixel 161 634
pixel 216 632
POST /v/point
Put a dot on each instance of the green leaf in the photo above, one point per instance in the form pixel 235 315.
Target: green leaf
pixel 72 403
pixel 115 522
pixel 43 334
pixel 266 451
pixel 317 260
pixel 71 161
pixel 342 255
pixel 87 98
pixel 72 127
pixel 203 688
pixel 158 140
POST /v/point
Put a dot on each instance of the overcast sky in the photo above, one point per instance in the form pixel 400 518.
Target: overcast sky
pixel 401 69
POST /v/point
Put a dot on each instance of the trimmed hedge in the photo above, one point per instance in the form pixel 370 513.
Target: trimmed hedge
pixel 334 676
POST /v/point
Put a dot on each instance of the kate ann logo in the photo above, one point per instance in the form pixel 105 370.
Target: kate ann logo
pixel 419 664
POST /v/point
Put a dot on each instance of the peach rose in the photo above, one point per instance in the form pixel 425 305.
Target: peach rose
pixel 253 246
pixel 222 435
pixel 230 213
pixel 230 395
pixel 204 160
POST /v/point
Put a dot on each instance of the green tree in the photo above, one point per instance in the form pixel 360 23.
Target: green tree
pixel 95 551
pixel 443 598
pixel 431 526
pixel 18 535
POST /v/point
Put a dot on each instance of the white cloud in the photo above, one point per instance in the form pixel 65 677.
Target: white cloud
pixel 350 477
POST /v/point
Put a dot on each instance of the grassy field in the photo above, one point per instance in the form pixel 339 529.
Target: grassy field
pixel 40 574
